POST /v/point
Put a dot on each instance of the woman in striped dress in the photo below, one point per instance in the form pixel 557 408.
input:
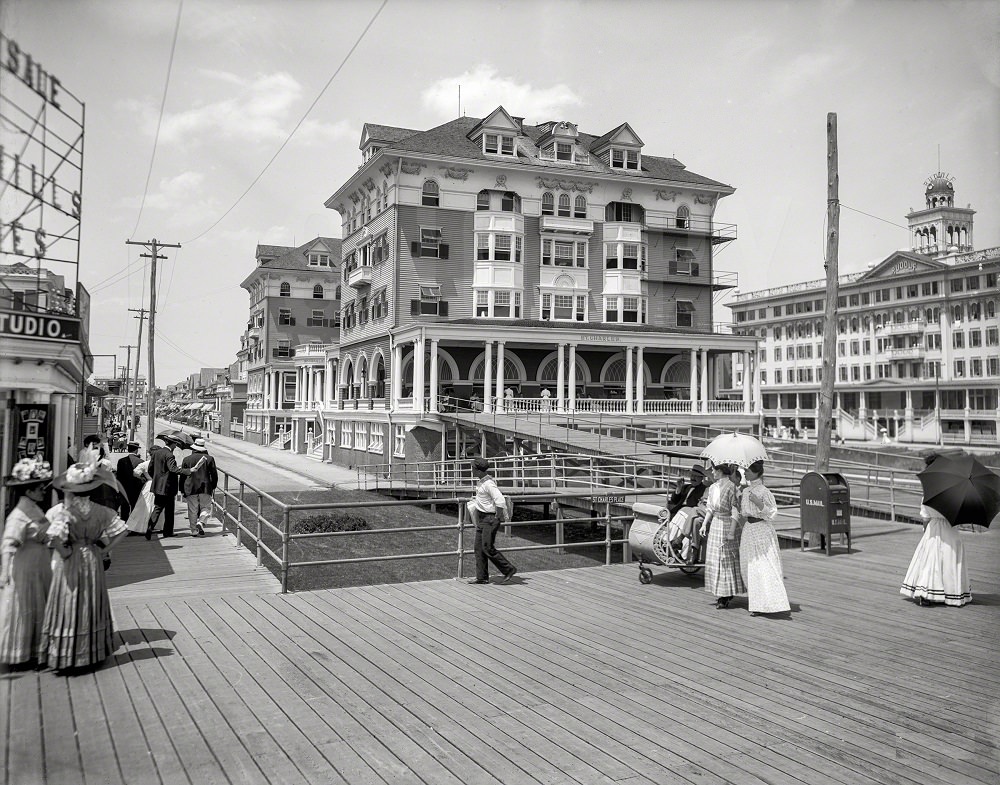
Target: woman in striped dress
pixel 722 554
pixel 25 573
pixel 760 560
pixel 77 631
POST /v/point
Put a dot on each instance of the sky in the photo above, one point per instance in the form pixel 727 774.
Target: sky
pixel 738 90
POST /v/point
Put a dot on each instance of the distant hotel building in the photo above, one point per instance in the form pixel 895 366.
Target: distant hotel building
pixel 918 338
pixel 488 255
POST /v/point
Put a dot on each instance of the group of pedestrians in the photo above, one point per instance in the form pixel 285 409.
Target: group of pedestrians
pixel 741 553
pixel 54 604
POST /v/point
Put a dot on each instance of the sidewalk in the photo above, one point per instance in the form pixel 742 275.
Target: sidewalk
pixel 319 472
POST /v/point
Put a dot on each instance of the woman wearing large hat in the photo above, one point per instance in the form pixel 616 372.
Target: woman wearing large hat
pixel 25 572
pixel 77 630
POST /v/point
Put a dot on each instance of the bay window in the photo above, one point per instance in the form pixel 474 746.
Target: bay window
pixel 564 307
pixel 498 303
pixel 499 247
pixel 628 308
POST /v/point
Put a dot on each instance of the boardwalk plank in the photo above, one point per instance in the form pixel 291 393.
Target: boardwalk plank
pixel 97 750
pixel 62 753
pixel 25 759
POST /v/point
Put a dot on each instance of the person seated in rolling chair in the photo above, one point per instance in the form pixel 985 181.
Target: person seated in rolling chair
pixel 687 510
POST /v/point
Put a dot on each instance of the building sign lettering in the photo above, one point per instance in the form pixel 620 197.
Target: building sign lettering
pixel 903 266
pixel 22 324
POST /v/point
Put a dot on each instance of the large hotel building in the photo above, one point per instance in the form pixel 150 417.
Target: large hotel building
pixel 918 339
pixel 493 265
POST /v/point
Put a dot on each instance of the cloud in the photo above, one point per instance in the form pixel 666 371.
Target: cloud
pixel 483 89
pixel 801 72
pixel 255 111
pixel 182 196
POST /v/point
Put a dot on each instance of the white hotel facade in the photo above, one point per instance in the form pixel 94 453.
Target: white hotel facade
pixel 918 339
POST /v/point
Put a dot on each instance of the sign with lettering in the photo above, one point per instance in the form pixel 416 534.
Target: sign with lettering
pixel 41 326
pixel 903 266
pixel 41 161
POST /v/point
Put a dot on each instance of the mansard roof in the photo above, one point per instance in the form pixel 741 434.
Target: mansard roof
pixel 455 139
pixel 283 257
pixel 389 134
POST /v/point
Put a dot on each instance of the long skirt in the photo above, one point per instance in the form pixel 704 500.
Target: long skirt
pixel 22 602
pixel 760 562
pixel 937 571
pixel 722 561
pixel 78 630
pixel 139 516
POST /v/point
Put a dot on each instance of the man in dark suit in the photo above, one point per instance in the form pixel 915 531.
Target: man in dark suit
pixel 689 493
pixel 125 472
pixel 164 471
pixel 199 486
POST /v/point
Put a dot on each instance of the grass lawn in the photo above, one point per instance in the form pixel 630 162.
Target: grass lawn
pixel 371 543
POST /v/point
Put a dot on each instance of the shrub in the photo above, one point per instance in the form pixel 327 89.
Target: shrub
pixel 328 522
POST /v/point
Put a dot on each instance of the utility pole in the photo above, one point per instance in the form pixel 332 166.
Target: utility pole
pixel 154 246
pixel 135 387
pixel 128 365
pixel 823 427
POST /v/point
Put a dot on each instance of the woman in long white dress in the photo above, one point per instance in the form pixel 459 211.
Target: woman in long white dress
pixel 722 558
pixel 139 516
pixel 760 556
pixel 937 571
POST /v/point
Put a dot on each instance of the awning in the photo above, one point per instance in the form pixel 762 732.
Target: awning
pixel 208 406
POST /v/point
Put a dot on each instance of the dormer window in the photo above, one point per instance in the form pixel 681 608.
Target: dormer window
pixel 498 144
pixel 483 200
pixel 564 151
pixel 624 159
pixel 370 152
pixel 319 260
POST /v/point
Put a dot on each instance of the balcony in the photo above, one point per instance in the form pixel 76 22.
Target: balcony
pixel 566 225
pixel 905 353
pixel 360 276
pixel 725 279
pixel 311 350
pixel 915 327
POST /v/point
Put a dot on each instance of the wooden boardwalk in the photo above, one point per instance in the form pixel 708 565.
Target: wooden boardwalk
pixel 573 676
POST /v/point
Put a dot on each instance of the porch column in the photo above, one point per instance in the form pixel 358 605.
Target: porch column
pixel 337 391
pixel 418 375
pixel 640 382
pixel 395 381
pixel 434 375
pixel 310 386
pixel 328 378
pixel 756 403
pixel 694 381
pixel 746 382
pixel 280 392
pixel 500 379
pixel 629 380
pixel 572 377
pixel 704 381
pixel 266 397
pixel 560 378
pixel 488 379
pixel 967 419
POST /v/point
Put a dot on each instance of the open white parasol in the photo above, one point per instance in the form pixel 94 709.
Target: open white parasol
pixel 736 448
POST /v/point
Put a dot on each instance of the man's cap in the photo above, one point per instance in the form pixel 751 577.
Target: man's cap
pixel 698 469
pixel 481 465
pixel 132 446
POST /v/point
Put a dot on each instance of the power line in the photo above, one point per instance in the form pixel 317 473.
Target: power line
pixel 159 122
pixel 297 125
pixel 884 220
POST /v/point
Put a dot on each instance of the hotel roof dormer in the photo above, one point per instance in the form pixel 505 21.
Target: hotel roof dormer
pixel 620 149
pixel 497 133
pixel 374 137
pixel 560 142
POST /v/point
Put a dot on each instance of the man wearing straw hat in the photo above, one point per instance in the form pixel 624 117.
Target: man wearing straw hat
pixel 199 486
pixel 163 471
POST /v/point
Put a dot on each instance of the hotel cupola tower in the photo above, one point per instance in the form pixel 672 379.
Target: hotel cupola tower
pixel 940 228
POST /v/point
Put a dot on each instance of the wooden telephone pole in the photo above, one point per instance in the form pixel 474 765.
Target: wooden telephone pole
pixel 135 385
pixel 154 256
pixel 826 393
pixel 128 367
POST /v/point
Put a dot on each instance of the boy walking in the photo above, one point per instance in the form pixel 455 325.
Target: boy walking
pixel 486 507
pixel 199 486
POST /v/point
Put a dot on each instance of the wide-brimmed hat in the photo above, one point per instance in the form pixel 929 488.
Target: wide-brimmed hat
pixel 481 465
pixel 83 477
pixel 28 471
pixel 199 446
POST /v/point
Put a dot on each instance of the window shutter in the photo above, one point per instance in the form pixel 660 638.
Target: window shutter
pixel 414 307
pixel 695 268
pixel 415 249
pixel 443 308
pixel 672 266
pixel 442 251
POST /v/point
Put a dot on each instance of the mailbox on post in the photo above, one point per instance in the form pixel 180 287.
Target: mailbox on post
pixel 824 507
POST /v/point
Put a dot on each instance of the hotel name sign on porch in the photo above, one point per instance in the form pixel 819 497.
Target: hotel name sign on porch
pixel 42 136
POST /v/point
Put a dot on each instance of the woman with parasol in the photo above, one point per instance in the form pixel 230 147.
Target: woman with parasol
pixel 77 630
pixel 957 489
pixel 722 554
pixel 25 574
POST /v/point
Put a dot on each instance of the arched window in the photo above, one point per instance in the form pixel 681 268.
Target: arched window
pixel 285 290
pixel 483 200
pixel 430 194
pixel 318 292
pixel 564 205
pixel 380 378
pixel 683 217
pixel 548 204
pixel 336 295
pixel 510 202
pixel 854 324
pixel 580 210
